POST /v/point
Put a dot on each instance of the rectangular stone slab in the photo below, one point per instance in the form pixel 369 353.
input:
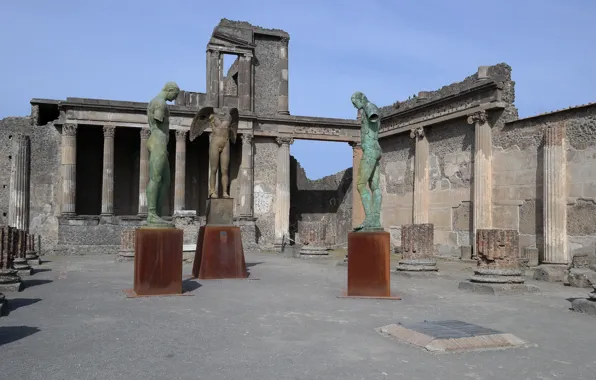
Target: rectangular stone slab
pixel 158 261
pixel 219 253
pixel 220 211
pixel 369 272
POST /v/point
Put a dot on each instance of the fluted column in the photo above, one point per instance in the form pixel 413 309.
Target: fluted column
pixel 421 188
pixel 213 74
pixel 282 192
pixel 282 98
pixel 482 198
pixel 69 168
pixel 357 208
pixel 244 82
pixel 143 171
pixel 18 205
pixel 555 196
pixel 246 177
pixel 107 189
pixel 180 171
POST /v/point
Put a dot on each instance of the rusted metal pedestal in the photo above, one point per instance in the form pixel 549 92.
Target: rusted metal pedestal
pixel 219 253
pixel 158 262
pixel 369 269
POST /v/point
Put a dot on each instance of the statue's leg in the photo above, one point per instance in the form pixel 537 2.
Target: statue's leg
pixel 157 159
pixel 364 173
pixel 224 160
pixel 375 220
pixel 213 164
pixel 164 187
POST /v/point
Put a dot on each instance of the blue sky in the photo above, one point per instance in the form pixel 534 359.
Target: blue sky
pixel 126 50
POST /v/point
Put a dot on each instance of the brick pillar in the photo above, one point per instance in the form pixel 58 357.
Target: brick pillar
pixel 497 257
pixel 213 77
pixel 283 94
pixel 482 191
pixel 18 204
pixel 180 171
pixel 143 171
pixel 418 248
pixel 421 186
pixel 20 258
pixel 357 209
pixel 245 82
pixel 9 279
pixel 69 168
pixel 246 178
pixel 32 256
pixel 282 193
pixel 107 189
pixel 555 196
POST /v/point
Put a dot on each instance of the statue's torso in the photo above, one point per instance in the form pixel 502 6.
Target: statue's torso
pixel 160 131
pixel 369 137
pixel 220 132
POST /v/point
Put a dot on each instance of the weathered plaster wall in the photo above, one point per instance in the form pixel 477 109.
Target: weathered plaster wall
pixel 320 210
pixel 265 179
pixel 397 180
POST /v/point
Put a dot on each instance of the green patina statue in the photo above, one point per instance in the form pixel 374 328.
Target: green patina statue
pixel 159 166
pixel 368 172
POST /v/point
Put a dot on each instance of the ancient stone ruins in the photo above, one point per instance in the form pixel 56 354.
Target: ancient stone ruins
pixel 462 177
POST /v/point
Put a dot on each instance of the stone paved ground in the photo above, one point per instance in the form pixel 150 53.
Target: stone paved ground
pixel 74 322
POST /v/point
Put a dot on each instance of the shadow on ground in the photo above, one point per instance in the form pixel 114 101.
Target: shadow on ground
pixel 10 334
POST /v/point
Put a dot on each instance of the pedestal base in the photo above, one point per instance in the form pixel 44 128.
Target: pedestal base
pixel 498 276
pixel 369 272
pixel 158 261
pixel 551 273
pixel 420 265
pixel 36 261
pixel 219 253
pixel 498 289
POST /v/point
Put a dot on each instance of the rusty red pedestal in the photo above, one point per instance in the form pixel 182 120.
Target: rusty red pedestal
pixel 219 253
pixel 157 262
pixel 369 268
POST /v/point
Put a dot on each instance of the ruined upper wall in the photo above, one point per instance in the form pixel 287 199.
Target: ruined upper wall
pixel 245 30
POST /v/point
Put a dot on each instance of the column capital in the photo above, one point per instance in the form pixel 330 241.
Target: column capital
pixel 284 141
pixel 247 56
pixel 285 40
pixel 181 134
pixel 145 133
pixel 355 144
pixel 479 117
pixel 417 132
pixel 69 129
pixel 247 138
pixel 108 131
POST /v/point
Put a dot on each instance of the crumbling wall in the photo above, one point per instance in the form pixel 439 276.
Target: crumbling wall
pixel 323 205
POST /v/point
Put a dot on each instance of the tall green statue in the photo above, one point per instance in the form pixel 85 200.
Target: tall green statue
pixel 368 172
pixel 159 165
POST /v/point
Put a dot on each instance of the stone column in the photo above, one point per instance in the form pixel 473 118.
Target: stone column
pixel 107 189
pixel 421 187
pixel 357 208
pixel 180 171
pixel 282 192
pixel 213 73
pixel 244 82
pixel 555 196
pixel 482 193
pixel 18 205
pixel 69 168
pixel 246 178
pixel 282 97
pixel 143 171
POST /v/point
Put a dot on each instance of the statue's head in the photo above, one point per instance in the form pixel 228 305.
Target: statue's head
pixel 359 99
pixel 171 90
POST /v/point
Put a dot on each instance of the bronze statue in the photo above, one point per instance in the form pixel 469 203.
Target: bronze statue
pixel 369 171
pixel 224 127
pixel 158 116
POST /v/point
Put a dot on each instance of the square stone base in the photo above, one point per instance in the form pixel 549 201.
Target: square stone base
pixel 498 289
pixel 220 211
pixel 583 305
pixel 14 287
pixel 551 273
pixel 34 261
pixel 25 272
pixel 368 264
